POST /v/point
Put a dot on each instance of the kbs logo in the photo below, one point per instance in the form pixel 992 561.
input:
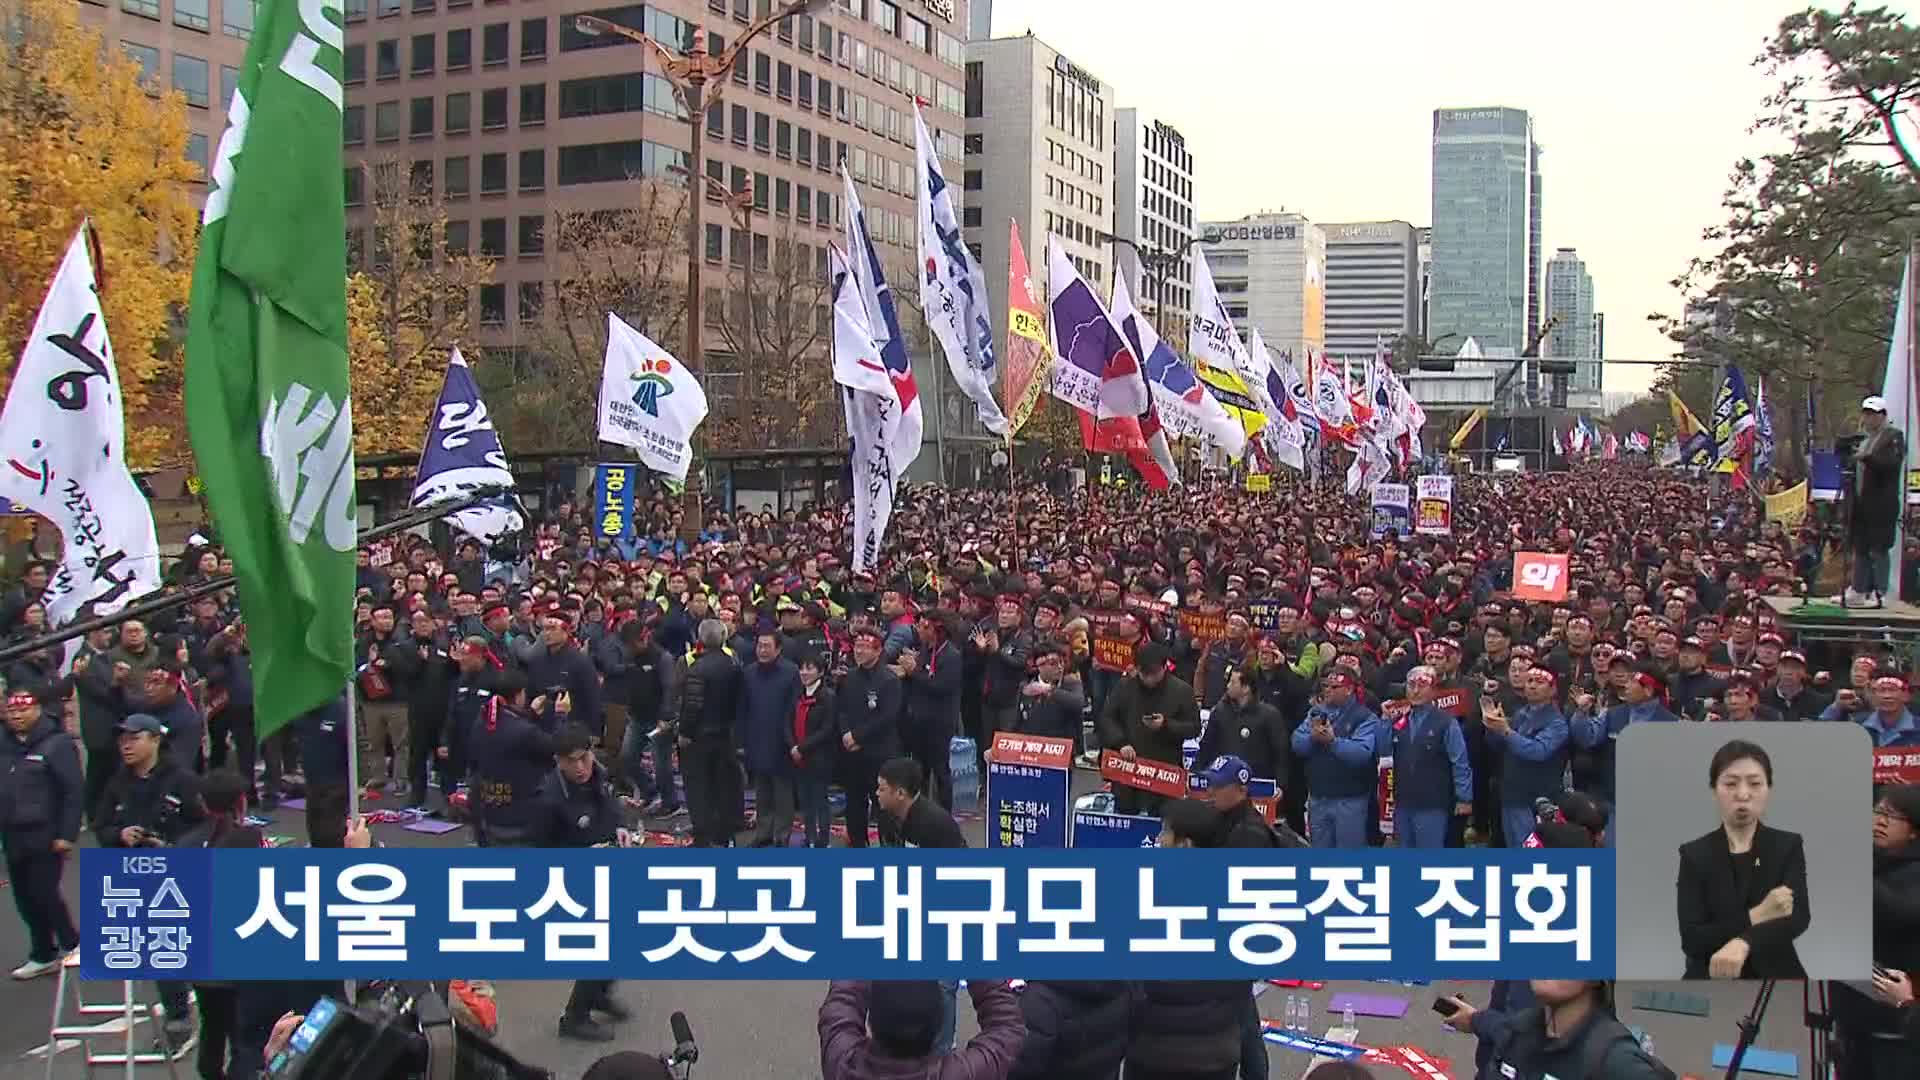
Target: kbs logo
pixel 1539 576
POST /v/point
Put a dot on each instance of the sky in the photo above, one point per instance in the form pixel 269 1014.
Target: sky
pixel 1641 110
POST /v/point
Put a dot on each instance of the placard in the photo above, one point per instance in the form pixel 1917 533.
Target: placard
pixel 1259 481
pixel 1112 654
pixel 1156 608
pixel 1093 829
pixel 1383 766
pixel 1433 516
pixel 1539 575
pixel 1452 701
pixel 1028 777
pixel 613 500
pixel 1154 777
pixel 1896 765
pixel 1391 512
pixel 1203 626
pixel 1264 614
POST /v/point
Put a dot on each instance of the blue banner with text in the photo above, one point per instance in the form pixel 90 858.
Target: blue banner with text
pixel 678 913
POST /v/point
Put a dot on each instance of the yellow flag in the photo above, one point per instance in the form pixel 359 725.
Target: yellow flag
pixel 1231 392
pixel 1788 507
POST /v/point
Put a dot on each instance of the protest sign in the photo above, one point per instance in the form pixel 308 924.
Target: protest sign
pixel 1156 777
pixel 1093 829
pixel 1896 765
pixel 1391 513
pixel 1112 654
pixel 1434 515
pixel 1259 481
pixel 1539 575
pixel 1203 625
pixel 1027 781
pixel 613 500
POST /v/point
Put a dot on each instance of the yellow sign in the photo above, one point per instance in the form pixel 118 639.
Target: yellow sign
pixel 1259 481
pixel 1788 507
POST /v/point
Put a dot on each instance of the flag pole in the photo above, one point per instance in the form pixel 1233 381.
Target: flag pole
pixel 1894 568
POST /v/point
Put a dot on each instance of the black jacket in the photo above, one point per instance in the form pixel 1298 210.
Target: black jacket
pixel 710 699
pixel 870 702
pixel 1122 722
pixel 185 728
pixel 1189 1027
pixel 819 742
pixel 933 697
pixel 512 758
pixel 322 735
pixel 1245 827
pixel 648 675
pixel 1878 491
pixel 550 671
pixel 1599 1048
pixel 1254 732
pixel 928 826
pixel 1808 704
pixel 1075 1030
pixel 578 815
pixel 1896 940
pixel 40 787
pixel 1713 910
pixel 1055 714
pixel 165 802
pixel 100 707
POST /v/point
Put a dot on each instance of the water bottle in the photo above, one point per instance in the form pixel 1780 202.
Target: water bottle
pixel 964 763
pixel 1293 1013
pixel 1346 1018
pixel 1306 1015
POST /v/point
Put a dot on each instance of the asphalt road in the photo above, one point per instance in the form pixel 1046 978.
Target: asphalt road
pixel 765 1031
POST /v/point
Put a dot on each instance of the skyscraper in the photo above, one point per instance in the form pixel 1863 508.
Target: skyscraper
pixel 1570 305
pixel 1153 207
pixel 1271 271
pixel 1373 286
pixel 1486 231
pixel 979 19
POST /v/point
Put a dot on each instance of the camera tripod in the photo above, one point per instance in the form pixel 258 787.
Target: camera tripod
pixel 1819 1028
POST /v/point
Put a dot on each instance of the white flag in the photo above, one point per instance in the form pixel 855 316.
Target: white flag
pixel 1285 437
pixel 953 291
pixel 877 296
pixel 64 436
pixel 1213 341
pixel 873 414
pixel 649 401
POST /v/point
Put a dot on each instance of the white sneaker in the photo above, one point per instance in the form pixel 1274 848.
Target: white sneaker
pixel 33 969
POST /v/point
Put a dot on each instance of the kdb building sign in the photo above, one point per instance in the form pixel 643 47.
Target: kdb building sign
pixel 1078 74
pixel 1254 232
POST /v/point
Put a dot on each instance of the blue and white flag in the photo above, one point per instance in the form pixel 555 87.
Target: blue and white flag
pixel 462 455
pixel 877 297
pixel 1763 433
pixel 953 291
pixel 873 414
pixel 649 401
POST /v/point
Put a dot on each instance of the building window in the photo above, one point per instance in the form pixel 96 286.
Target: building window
pixel 740 62
pixel 456 180
pixel 353 124
pixel 762 193
pixel 716 120
pixel 803 142
pixel 191 14
pixel 916 33
pixel 970 216
pixel 762 72
pixel 826 39
pixel 353 64
pixel 533 234
pixel 420 122
pixel 493 109
pixel 389 8
pixel 739 183
pixel 493 174
pixel 533 104
pixel 355 183
pixel 533 170
pixel 531 301
pixel 824 158
pixel 425 7
pixel 493 237
pixel 493 44
pixel 190 78
pixel 459 113
pixel 762 132
pixel 803 202
pixel 823 208
pixel 147 8
pixel 422 49
pixel 783 140
pixel 806 90
pixel 458 238
pixel 783 81
pixel 739 125
pixel 759 263
pixel 236 18
pixel 386 121
pixel 386 59
pixel 970 180
pixel 493 305
pixel 420 177
pixel 533 40
pixel 716 240
pixel 594 163
pixel 782 197
pixel 356 10
pixel 459 49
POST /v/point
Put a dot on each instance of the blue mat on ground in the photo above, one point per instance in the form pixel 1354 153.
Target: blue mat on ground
pixel 1770 1062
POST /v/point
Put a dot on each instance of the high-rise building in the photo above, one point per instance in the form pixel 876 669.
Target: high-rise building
pixel 1425 248
pixel 1153 207
pixel 508 115
pixel 979 18
pixel 1570 306
pixel 1486 231
pixel 1039 145
pixel 1600 335
pixel 1373 286
pixel 1271 272
pixel 193 46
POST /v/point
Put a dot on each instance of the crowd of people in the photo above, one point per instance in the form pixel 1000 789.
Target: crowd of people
pixel 669 676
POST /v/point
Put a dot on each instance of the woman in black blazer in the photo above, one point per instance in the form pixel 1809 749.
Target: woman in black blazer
pixel 1743 886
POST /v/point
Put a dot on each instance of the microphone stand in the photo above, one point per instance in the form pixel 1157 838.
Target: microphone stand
pixel 1750 1027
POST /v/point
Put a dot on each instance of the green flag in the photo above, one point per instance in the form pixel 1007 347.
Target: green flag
pixel 266 383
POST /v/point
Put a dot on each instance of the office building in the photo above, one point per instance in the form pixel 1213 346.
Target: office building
pixel 979 19
pixel 193 46
pixel 1424 245
pixel 1039 151
pixel 1373 286
pixel 1600 335
pixel 507 115
pixel 1570 306
pixel 1153 209
pixel 1486 231
pixel 1271 272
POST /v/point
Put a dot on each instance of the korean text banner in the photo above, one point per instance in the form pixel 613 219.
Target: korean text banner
pixel 672 913
pixel 613 500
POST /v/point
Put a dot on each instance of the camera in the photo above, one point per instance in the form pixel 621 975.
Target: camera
pixel 395 1031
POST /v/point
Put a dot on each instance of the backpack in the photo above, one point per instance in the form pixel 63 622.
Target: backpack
pixel 1607 1033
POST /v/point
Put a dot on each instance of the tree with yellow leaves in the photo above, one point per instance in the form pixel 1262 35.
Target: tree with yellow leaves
pixel 81 137
pixel 408 307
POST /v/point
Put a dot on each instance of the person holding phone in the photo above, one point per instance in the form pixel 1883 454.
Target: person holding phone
pixel 1531 749
pixel 1149 714
pixel 1337 740
pixel 1742 891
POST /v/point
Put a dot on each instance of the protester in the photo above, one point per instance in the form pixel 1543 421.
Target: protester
pixel 877 1031
pixel 1876 1040
pixel 705 719
pixel 1338 741
pixel 1148 715
pixel 1075 1030
pixel 1432 778
pixel 578 809
pixel 869 701
pixel 41 788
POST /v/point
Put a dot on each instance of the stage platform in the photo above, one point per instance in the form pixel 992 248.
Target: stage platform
pixel 1895 626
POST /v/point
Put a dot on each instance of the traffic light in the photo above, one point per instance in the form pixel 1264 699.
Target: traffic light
pixel 1436 363
pixel 1557 366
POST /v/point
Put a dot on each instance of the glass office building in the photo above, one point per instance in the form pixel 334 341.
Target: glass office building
pixel 1486 230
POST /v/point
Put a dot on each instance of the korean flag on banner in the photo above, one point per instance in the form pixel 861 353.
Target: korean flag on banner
pixel 953 291
pixel 462 454
pixel 64 438
pixel 649 401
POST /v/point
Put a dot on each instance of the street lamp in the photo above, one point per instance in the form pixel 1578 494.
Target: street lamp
pixel 1157 263
pixel 740 206
pixel 689 73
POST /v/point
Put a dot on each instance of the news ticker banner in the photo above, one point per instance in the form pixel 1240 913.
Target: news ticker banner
pixel 897 913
